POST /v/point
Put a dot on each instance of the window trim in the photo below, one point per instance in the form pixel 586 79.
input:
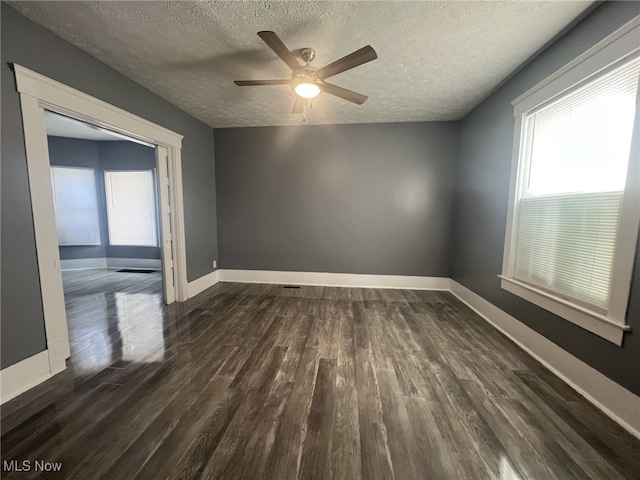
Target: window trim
pixel 619 47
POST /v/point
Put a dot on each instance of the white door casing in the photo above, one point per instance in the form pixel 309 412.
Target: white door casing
pixel 44 223
pixel 168 276
pixel 38 93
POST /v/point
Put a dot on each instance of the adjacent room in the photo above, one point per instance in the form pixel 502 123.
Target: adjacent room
pixel 105 202
pixel 308 240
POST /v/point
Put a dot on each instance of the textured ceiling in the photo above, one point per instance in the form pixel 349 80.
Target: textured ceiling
pixel 436 60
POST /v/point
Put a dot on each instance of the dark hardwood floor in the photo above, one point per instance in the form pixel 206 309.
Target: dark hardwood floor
pixel 265 382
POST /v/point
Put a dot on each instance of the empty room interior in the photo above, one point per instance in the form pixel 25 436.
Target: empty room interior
pixel 378 240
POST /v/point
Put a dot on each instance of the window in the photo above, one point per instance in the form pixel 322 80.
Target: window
pixel 131 208
pixel 573 216
pixel 76 206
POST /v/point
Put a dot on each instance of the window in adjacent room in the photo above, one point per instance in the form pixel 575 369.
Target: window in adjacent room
pixel 76 206
pixel 573 222
pixel 131 208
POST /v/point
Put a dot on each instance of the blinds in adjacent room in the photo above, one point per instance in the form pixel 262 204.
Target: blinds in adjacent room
pixel 572 179
pixel 131 208
pixel 76 206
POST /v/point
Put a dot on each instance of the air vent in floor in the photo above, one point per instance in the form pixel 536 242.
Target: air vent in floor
pixel 133 270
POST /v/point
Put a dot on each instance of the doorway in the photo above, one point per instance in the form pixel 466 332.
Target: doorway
pixel 39 94
pixel 106 207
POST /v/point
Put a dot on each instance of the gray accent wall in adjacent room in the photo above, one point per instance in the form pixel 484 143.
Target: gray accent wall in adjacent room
pixel 486 138
pixel 368 199
pixel 34 47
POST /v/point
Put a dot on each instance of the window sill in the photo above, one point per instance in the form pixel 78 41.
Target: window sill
pixel 594 322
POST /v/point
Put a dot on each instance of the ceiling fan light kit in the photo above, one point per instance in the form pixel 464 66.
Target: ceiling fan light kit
pixel 308 82
pixel 306 87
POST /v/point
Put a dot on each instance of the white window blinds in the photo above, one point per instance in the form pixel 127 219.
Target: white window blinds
pixel 131 208
pixel 76 206
pixel 572 179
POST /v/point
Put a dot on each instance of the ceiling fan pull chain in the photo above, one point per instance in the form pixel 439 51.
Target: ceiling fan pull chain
pixel 304 111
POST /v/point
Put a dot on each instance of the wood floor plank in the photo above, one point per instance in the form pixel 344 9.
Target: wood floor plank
pixel 560 463
pixel 209 403
pixel 249 375
pixel 400 434
pixel 234 455
pixel 362 338
pixel 614 456
pixel 89 452
pixel 316 454
pixel 527 462
pixel 374 444
pixel 115 446
pixel 383 345
pixel 569 448
pixel 346 459
pixel 328 321
pixel 251 460
pixel 410 374
pixel 448 412
pixel 286 454
pixel 62 433
pixel 434 459
pixel 17 441
pixel 195 457
pixel 296 346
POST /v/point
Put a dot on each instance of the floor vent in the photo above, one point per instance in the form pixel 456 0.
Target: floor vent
pixel 291 286
pixel 134 270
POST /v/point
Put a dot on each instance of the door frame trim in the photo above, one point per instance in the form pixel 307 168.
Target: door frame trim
pixel 37 93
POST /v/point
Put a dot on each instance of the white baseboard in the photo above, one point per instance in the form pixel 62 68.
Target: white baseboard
pixel 201 284
pixel 83 263
pixel 335 279
pixel 147 263
pixel 24 375
pixel 110 262
pixel 615 401
pixel 318 279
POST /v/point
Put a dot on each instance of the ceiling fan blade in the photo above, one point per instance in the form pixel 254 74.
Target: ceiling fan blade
pixel 364 55
pixel 274 42
pixel 257 83
pixel 298 106
pixel 343 93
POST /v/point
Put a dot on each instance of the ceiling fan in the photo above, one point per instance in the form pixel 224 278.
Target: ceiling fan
pixel 308 82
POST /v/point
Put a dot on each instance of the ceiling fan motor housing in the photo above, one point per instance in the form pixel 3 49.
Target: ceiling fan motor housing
pixel 307 55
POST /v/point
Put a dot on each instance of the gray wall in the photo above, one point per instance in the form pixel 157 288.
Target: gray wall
pixel 482 196
pixel 34 47
pixel 372 198
pixel 103 156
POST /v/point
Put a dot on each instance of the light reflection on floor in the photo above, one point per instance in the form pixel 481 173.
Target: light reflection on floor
pixel 113 319
pixel 140 315
pixel 87 320
pixel 507 470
